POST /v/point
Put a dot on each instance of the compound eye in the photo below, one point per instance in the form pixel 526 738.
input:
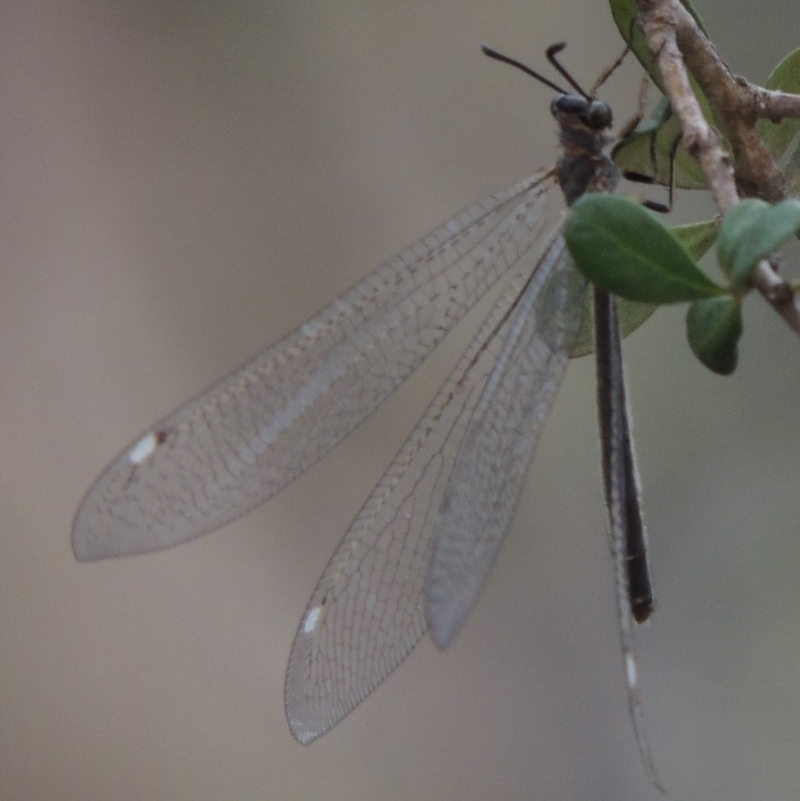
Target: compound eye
pixel 569 104
pixel 597 115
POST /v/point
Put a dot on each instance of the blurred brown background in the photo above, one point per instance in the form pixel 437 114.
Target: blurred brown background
pixel 183 182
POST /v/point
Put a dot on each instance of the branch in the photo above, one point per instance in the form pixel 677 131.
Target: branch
pixel 680 47
pixel 774 105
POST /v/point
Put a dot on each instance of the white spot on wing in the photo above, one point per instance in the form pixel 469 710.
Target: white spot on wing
pixel 311 619
pixel 144 448
pixel 631 671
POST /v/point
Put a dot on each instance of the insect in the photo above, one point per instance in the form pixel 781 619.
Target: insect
pixel 417 553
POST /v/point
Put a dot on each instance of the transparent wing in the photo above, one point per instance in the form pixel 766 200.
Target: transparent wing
pixel 257 429
pixel 498 446
pixel 367 611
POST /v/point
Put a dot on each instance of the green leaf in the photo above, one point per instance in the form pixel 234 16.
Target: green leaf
pixel 697 237
pixel 782 138
pixel 750 231
pixel 647 151
pixel 714 326
pixel 621 247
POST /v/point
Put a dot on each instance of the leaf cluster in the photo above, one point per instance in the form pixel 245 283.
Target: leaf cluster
pixel 623 248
